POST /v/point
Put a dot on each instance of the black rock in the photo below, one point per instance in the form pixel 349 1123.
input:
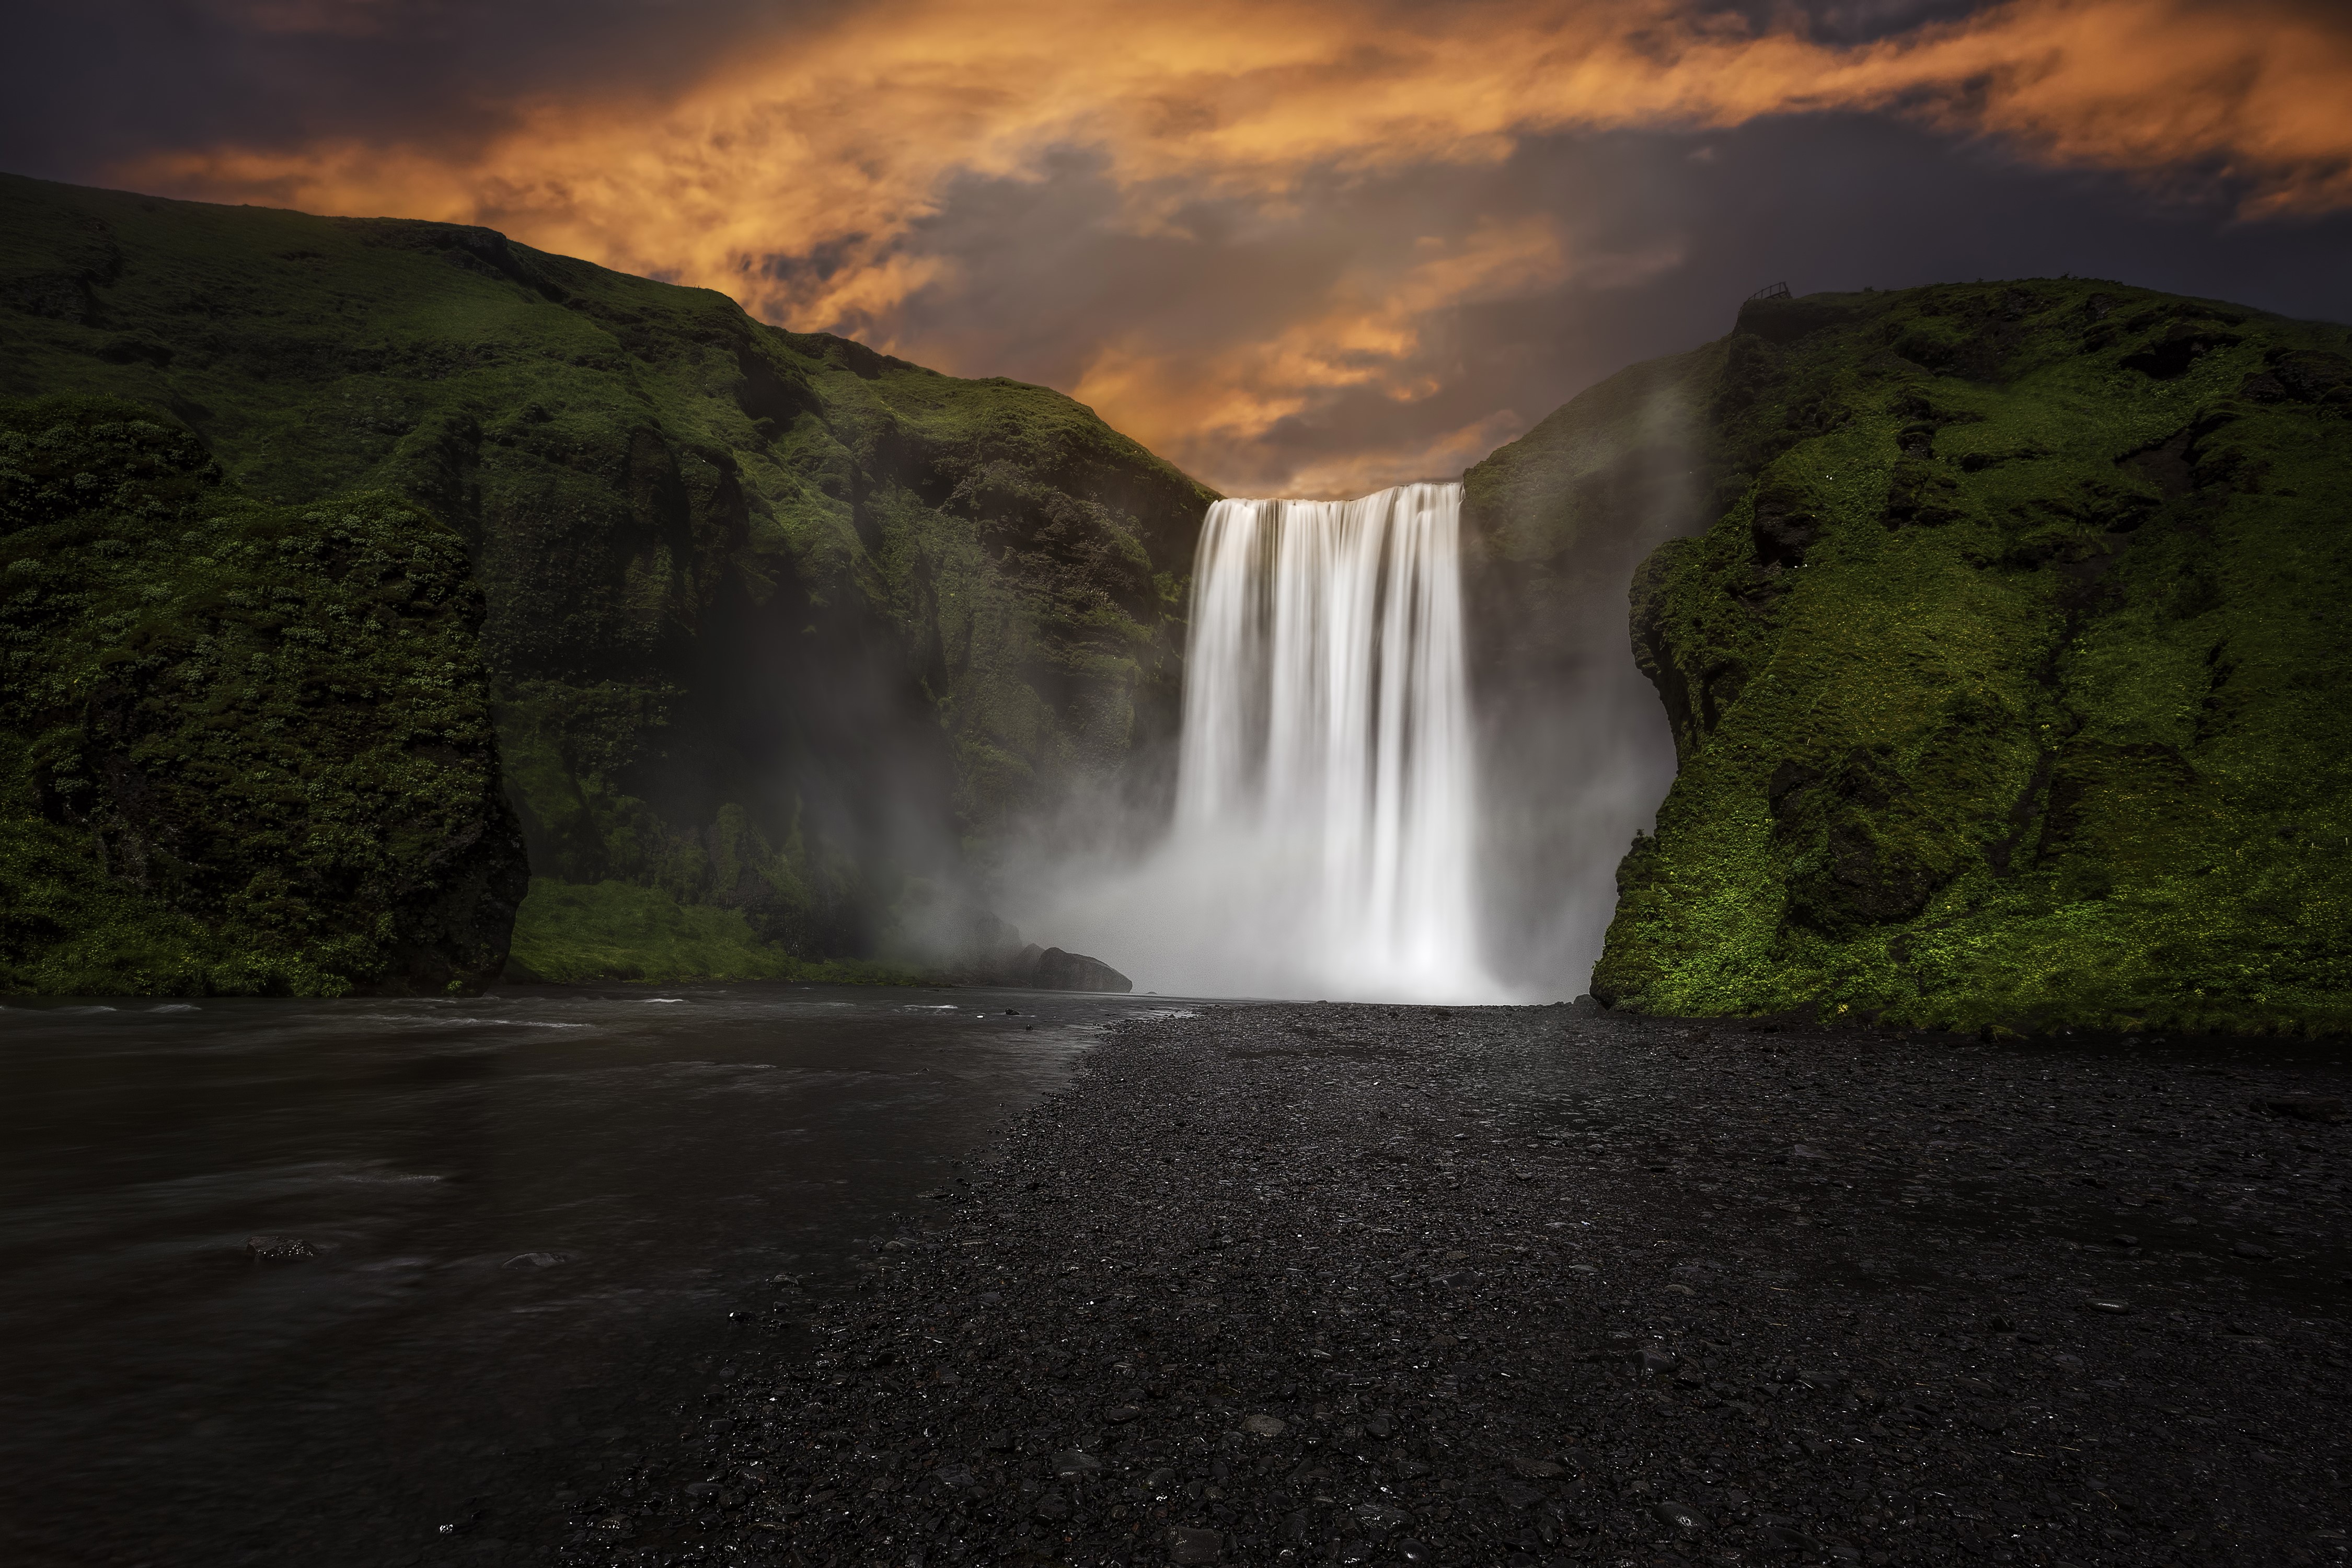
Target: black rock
pixel 1682 1516
pixel 1060 971
pixel 1188 1545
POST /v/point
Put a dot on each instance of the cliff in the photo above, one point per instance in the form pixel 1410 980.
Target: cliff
pixel 780 634
pixel 244 748
pixel 2005 666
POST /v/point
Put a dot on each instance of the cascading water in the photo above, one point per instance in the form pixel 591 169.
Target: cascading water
pixel 1327 771
pixel 1324 837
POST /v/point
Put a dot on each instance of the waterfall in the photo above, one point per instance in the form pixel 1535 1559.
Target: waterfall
pixel 1326 773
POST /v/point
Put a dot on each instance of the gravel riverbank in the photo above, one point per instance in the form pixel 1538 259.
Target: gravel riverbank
pixel 1302 1284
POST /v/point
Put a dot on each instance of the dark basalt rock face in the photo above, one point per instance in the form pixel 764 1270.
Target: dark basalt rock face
pixel 774 625
pixel 1998 630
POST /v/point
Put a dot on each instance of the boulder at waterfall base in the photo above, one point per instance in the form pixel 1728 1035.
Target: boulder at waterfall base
pixel 1051 969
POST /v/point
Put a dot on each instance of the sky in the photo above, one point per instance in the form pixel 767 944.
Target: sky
pixel 1298 247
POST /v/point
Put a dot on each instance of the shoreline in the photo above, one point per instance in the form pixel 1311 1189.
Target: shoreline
pixel 1291 1283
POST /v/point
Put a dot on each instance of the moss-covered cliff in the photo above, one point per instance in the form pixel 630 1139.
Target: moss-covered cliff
pixel 2010 676
pixel 242 747
pixel 776 625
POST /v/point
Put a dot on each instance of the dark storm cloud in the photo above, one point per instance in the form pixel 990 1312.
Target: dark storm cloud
pixel 86 85
pixel 1295 246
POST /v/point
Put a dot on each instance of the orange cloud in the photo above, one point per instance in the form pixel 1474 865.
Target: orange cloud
pixel 842 142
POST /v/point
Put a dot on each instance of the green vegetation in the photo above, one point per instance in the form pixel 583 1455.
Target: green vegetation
pixel 773 622
pixel 569 934
pixel 244 747
pixel 2008 666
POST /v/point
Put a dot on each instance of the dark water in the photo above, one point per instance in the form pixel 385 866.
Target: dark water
pixel 532 1215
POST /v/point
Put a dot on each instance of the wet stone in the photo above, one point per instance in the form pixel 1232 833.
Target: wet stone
pixel 1188 1545
pixel 1680 1516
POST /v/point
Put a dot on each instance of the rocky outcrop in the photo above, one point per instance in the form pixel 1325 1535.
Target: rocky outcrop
pixel 1032 967
pixel 2004 662
pixel 1060 971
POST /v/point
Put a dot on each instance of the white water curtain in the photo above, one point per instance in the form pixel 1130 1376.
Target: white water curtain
pixel 1327 763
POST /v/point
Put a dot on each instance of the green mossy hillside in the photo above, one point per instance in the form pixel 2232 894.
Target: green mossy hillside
pixel 773 622
pixel 244 748
pixel 2010 674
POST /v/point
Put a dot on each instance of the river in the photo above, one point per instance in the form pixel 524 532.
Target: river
pixel 528 1217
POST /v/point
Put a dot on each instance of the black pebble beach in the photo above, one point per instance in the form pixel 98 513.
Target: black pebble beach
pixel 1306 1284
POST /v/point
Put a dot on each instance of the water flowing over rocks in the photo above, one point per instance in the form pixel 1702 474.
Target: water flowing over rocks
pixel 1292 1284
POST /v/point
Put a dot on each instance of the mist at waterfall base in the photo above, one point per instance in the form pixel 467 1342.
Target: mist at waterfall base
pixel 1350 819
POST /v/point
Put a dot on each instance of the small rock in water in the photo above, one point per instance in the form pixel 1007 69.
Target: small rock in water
pixel 277 1249
pixel 1263 1425
pixel 2248 1250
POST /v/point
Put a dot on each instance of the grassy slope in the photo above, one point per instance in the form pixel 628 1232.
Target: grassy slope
pixel 764 608
pixel 2009 683
pixel 244 747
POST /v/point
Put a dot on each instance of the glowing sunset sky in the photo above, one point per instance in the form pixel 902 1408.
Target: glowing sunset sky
pixel 1296 246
